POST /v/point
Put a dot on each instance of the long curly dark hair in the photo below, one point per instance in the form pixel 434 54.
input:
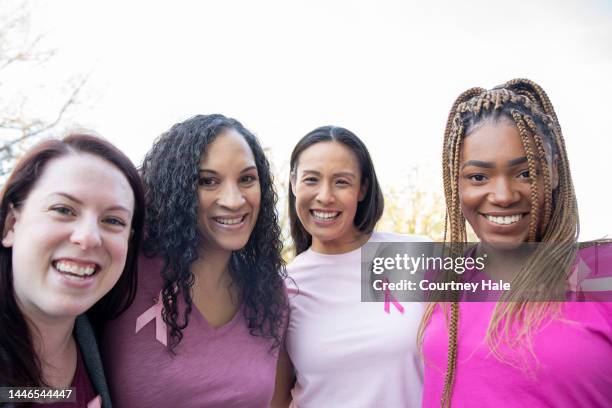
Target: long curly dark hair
pixel 170 174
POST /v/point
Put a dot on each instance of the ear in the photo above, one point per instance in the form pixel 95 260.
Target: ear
pixel 292 181
pixel 554 176
pixel 8 235
pixel 363 190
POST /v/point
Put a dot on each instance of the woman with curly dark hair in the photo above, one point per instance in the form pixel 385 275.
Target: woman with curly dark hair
pixel 211 275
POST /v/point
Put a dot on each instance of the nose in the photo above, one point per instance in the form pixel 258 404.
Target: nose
pixel 231 197
pixel 504 193
pixel 86 233
pixel 325 195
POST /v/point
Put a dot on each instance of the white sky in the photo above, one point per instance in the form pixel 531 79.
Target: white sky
pixel 387 70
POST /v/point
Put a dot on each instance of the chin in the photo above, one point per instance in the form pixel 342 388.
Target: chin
pixel 233 246
pixel 504 244
pixel 69 308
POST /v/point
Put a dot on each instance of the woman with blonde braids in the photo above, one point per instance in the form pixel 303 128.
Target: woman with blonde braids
pixel 507 174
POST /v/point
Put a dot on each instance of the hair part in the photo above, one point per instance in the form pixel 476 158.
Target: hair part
pixel 369 210
pixel 170 172
pixel 19 364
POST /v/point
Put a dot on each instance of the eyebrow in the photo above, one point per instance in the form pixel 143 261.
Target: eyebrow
pixel 339 174
pixel 519 160
pixel 249 168
pixel 76 200
pixel 490 165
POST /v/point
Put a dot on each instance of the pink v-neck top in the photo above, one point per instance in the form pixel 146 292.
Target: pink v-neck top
pixel 571 363
pixel 224 367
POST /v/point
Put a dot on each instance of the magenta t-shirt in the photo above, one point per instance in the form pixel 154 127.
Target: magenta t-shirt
pixel 224 367
pixel 571 364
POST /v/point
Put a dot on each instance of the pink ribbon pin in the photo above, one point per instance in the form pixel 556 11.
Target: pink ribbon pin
pixel 154 313
pixel 390 299
pixel 580 272
pixel 95 403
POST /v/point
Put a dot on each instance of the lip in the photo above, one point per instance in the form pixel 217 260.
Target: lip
pixel 324 223
pixel 505 228
pixel 244 217
pixel 504 213
pixel 73 281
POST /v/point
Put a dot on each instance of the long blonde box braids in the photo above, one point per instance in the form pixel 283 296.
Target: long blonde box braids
pixel 559 223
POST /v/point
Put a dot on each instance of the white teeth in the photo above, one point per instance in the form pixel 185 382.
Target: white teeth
pixel 505 220
pixel 72 268
pixel 324 215
pixel 229 221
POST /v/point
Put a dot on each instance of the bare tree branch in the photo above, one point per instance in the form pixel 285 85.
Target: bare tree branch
pixel 33 129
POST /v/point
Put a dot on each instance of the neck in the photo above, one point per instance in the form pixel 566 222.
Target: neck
pixel 54 345
pixel 211 269
pixel 504 263
pixel 341 246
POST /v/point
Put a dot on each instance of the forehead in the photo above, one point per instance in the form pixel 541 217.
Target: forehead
pixel 88 178
pixel 228 150
pixel 493 142
pixel 328 157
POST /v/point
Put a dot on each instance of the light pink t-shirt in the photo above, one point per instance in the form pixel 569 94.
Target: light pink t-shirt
pixel 349 353
pixel 571 364
pixel 224 367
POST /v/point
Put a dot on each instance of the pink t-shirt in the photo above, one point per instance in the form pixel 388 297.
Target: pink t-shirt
pixel 349 353
pixel 224 367
pixel 571 364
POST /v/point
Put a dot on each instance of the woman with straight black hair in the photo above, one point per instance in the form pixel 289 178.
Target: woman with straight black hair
pixel 71 216
pixel 340 351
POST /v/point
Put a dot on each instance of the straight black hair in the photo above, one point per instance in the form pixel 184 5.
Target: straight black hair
pixel 369 210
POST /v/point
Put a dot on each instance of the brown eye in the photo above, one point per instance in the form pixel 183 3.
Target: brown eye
pixel 63 210
pixel 524 174
pixel 477 177
pixel 207 182
pixel 248 179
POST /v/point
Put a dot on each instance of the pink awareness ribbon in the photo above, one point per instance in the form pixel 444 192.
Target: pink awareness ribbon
pixel 581 271
pixel 154 313
pixel 390 299
pixel 95 403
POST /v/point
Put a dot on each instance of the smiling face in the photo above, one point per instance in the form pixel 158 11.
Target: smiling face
pixel 327 187
pixel 69 238
pixel 494 185
pixel 229 193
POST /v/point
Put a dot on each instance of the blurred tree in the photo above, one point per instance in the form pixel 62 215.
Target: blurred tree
pixel 19 51
pixel 413 209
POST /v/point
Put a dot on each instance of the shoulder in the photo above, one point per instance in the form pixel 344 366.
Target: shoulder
pixel 86 339
pixel 378 236
pixel 301 261
pixel 592 271
pixel 149 273
pixel 595 258
pixel 382 242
